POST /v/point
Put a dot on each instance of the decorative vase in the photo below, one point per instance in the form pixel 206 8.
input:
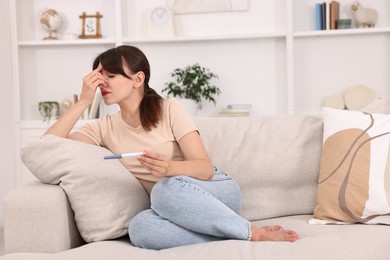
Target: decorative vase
pixel 49 110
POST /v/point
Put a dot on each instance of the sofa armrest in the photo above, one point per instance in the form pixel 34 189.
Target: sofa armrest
pixel 38 218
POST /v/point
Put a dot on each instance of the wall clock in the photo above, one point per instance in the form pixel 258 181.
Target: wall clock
pixel 160 22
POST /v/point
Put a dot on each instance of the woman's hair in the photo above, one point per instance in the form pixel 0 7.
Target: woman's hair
pixel 135 60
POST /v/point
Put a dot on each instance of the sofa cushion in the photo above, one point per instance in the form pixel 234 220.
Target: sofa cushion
pixel 354 184
pixel 102 193
pixel 274 159
pixel 355 242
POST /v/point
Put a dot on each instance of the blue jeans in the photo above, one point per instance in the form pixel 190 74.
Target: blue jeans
pixel 187 211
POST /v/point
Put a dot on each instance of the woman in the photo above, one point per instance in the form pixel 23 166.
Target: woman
pixel 191 201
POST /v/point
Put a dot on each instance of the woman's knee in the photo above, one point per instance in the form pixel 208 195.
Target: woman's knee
pixel 171 192
pixel 165 192
pixel 140 229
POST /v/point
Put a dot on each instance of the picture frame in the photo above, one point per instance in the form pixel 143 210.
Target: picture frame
pixel 90 26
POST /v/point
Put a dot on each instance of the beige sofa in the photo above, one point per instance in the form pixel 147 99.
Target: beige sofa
pixel 275 160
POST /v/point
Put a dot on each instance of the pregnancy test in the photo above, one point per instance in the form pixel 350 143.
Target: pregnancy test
pixel 123 155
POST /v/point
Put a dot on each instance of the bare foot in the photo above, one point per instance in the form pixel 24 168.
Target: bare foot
pixel 273 233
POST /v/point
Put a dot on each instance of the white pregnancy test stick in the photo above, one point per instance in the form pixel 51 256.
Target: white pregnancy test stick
pixel 123 155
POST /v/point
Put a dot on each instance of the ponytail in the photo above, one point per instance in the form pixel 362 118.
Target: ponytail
pixel 150 108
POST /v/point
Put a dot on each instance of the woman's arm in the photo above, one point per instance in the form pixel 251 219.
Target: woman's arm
pixel 197 163
pixel 64 125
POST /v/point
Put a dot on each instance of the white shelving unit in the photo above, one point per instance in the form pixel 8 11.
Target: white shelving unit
pixel 270 56
pixel 328 62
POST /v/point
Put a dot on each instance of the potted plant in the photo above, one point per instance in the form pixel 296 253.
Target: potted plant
pixel 194 83
pixel 48 109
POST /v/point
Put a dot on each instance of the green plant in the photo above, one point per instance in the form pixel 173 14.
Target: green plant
pixel 46 109
pixel 193 82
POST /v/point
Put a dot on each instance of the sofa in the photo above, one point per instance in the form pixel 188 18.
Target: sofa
pixel 277 162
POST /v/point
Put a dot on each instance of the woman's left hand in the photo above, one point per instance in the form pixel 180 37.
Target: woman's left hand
pixel 156 164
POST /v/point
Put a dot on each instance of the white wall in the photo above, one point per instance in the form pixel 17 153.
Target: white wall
pixel 7 174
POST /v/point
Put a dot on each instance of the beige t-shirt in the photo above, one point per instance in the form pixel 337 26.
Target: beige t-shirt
pixel 116 135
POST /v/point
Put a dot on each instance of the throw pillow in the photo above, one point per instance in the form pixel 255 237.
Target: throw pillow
pixel 354 181
pixel 102 193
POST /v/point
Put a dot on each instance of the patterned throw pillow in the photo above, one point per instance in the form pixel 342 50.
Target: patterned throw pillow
pixel 354 181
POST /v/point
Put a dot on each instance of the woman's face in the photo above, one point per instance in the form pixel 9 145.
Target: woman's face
pixel 117 87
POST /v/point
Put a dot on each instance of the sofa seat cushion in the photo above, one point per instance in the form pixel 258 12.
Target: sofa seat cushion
pixel 102 193
pixel 274 159
pixel 336 242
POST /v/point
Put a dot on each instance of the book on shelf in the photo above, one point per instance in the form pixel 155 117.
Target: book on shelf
pixel 245 106
pixel 233 114
pixel 334 14
pixel 94 108
pixel 236 110
pixel 318 16
pixel 324 20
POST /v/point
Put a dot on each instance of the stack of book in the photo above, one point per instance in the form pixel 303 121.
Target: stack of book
pixel 327 16
pixel 236 110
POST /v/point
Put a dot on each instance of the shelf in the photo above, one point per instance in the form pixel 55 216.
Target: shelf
pixel 40 124
pixel 355 31
pixel 205 38
pixel 254 36
pixel 150 40
pixel 65 42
